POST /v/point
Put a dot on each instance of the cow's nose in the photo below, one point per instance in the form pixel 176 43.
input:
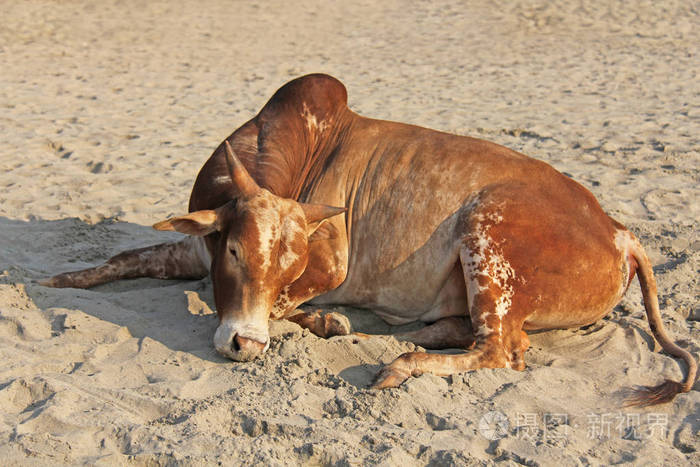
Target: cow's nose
pixel 245 349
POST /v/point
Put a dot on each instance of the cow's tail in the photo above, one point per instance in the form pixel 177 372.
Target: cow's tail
pixel 666 391
pixel 185 259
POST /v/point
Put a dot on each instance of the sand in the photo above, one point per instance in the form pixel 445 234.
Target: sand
pixel 109 109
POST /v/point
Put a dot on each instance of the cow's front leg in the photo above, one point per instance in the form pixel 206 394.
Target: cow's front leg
pixel 328 325
pixel 185 259
pixel 326 270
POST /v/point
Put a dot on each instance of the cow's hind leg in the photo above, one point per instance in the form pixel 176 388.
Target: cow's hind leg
pixel 185 259
pixel 494 348
pixel 500 340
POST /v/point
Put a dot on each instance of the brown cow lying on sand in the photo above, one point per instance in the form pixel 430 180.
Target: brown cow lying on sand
pixel 310 202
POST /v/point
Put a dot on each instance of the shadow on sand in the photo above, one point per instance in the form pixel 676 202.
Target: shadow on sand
pixel 162 310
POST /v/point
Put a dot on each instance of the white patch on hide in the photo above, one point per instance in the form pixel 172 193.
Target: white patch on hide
pixel 473 288
pixel 287 259
pixel 283 303
pixel 483 330
pixel 625 243
pixel 266 220
pixel 488 261
pixel 221 179
pixel 312 122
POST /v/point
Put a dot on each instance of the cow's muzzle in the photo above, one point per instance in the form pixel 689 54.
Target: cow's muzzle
pixel 244 349
pixel 241 343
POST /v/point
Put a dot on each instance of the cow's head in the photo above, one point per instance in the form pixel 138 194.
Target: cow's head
pixel 261 246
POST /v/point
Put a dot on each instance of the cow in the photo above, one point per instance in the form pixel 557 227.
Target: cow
pixel 309 202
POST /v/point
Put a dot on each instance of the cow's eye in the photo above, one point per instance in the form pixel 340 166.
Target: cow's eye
pixel 234 253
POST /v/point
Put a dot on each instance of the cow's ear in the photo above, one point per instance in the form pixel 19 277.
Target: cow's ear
pixel 317 213
pixel 199 223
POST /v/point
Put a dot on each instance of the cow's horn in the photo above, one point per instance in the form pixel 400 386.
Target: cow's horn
pixel 243 184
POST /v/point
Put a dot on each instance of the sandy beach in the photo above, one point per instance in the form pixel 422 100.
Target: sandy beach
pixel 108 111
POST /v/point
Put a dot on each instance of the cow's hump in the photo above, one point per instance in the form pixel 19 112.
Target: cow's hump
pixel 320 95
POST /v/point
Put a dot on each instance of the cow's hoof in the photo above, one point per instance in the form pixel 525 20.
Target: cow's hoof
pixel 50 282
pixel 335 324
pixel 389 377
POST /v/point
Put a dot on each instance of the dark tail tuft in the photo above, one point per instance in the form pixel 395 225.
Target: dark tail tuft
pixel 646 396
